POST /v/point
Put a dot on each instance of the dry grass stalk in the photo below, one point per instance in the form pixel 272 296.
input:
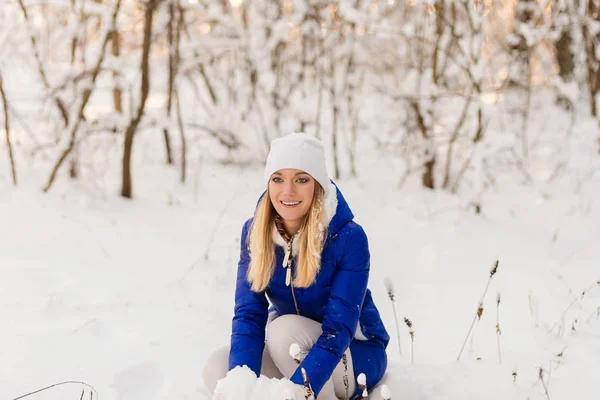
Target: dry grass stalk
pixel 577 300
pixel 92 389
pixel 498 331
pixel 389 287
pixel 479 312
pixel 412 339
pixel 541 376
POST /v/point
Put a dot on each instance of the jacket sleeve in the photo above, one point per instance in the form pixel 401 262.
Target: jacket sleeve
pixel 250 316
pixel 343 310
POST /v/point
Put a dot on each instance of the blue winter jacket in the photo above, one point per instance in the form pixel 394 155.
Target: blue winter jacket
pixel 339 300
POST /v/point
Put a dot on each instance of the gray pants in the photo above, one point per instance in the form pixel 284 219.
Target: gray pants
pixel 277 362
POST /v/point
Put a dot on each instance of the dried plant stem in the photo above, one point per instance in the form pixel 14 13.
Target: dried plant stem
pixel 479 308
pixel 389 287
pixel 578 299
pixel 397 326
pixel 412 339
pixel 59 384
pixel 498 331
pixel 541 374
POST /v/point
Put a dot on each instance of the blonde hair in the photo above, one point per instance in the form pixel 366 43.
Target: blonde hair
pixel 310 238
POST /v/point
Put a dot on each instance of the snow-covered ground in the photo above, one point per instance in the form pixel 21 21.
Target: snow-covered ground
pixel 132 296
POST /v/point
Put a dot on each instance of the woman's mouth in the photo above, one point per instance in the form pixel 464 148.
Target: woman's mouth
pixel 290 203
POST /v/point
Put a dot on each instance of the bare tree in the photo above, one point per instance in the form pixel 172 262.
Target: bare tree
pixel 149 7
pixel 79 106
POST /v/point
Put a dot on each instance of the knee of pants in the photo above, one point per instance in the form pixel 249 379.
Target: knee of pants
pixel 288 329
pixel 216 368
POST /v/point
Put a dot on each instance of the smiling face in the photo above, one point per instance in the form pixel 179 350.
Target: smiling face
pixel 291 192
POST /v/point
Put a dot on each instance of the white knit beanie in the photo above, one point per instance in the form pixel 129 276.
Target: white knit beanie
pixel 298 151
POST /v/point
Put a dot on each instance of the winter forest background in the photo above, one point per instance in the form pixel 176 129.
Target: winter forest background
pixel 461 132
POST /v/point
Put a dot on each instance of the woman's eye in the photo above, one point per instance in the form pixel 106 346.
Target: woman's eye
pixel 302 180
pixel 277 179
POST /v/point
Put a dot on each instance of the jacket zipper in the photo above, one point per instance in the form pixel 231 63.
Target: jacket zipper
pixel 287 263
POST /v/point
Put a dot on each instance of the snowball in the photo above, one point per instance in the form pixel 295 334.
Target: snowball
pixel 386 393
pixel 241 383
pixel 295 351
pixel 362 379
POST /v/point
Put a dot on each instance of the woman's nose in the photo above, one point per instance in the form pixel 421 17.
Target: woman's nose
pixel 288 188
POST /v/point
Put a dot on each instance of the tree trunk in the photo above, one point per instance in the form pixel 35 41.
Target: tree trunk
pixel 117 92
pixel 427 178
pixel 334 123
pixel 440 8
pixel 126 188
pixel 592 62
pixel 182 136
pixel 520 50
pixel 565 57
pixel 334 134
pixel 7 130
pixel 172 69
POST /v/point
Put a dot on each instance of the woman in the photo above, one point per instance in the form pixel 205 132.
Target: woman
pixel 303 253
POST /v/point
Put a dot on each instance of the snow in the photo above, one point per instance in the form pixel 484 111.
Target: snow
pixel 242 384
pixel 362 379
pixel 386 394
pixel 132 296
pixel 295 351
